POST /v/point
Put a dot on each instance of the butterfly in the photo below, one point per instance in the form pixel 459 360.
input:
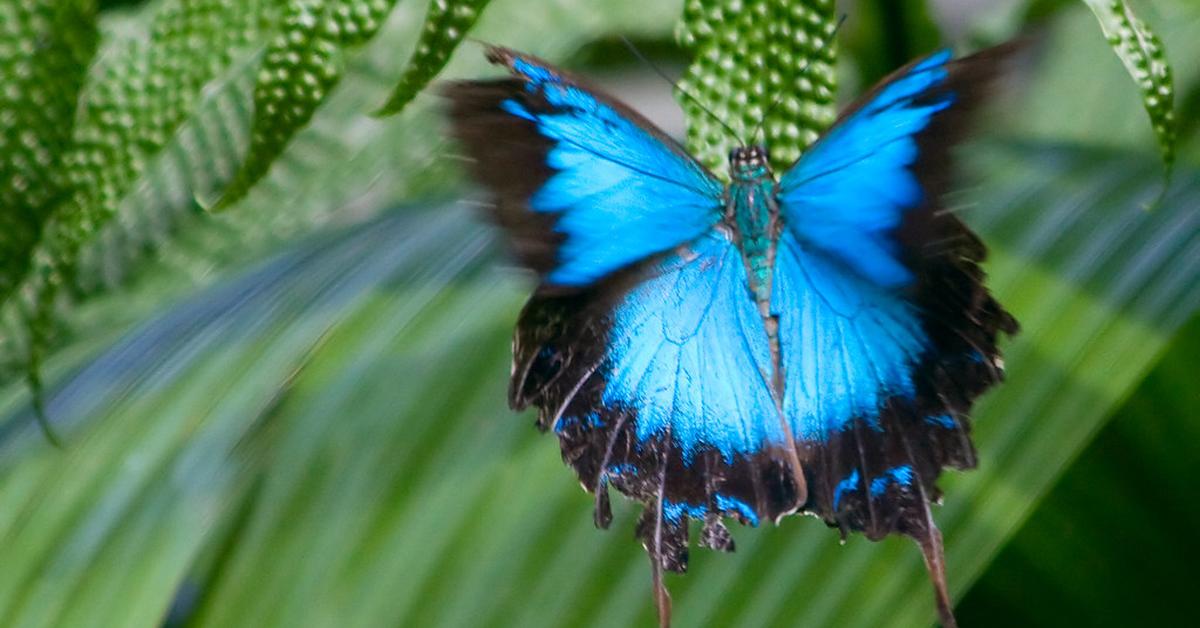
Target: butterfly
pixel 808 343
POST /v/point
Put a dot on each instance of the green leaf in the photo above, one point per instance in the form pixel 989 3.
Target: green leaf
pixel 1073 563
pixel 45 47
pixel 303 63
pixel 883 35
pixel 274 317
pixel 757 62
pixel 1145 59
pixel 445 26
pixel 129 105
pixel 137 98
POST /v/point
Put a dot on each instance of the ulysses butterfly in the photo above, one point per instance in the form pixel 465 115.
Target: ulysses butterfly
pixel 808 343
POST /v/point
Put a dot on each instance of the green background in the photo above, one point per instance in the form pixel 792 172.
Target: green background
pixel 291 412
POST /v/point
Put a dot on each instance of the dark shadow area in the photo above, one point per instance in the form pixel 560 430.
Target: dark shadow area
pixel 1114 543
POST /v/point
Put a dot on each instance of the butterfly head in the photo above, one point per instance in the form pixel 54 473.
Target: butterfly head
pixel 749 163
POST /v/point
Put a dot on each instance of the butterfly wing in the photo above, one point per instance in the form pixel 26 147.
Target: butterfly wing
pixel 656 383
pixel 887 331
pixel 583 185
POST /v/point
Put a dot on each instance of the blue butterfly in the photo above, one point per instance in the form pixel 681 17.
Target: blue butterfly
pixel 748 350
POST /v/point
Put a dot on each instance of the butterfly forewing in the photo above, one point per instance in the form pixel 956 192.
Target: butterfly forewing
pixel 583 186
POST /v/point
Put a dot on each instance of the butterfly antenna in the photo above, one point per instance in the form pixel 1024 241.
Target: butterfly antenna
pixel 663 75
pixel 804 70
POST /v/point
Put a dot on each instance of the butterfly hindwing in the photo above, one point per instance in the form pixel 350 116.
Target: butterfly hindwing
pixel 655 382
pixel 583 185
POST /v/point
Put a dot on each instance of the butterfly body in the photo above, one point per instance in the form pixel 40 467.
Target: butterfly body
pixel 807 343
pixel 752 210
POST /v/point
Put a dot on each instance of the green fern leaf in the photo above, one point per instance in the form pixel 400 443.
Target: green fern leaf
pixel 767 63
pixel 445 26
pixel 1142 53
pixel 141 95
pixel 45 46
pixel 129 107
pixel 304 61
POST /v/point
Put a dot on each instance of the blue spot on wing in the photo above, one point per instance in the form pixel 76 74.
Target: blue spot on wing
pixel 689 354
pixel 623 469
pixel 591 421
pixel 731 504
pixel 902 475
pixel 620 192
pixel 942 420
pixel 849 191
pixel 675 511
pixel 849 484
pixel 847 344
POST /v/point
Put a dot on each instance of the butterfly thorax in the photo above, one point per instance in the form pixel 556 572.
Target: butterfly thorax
pixel 753 213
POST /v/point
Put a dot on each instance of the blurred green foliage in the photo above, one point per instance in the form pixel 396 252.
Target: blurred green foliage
pixel 764 69
pixel 319 438
pixel 1113 544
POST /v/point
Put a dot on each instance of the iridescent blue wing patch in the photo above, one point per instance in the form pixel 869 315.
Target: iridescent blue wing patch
pixel 850 192
pixel 888 333
pixel 656 382
pixel 583 185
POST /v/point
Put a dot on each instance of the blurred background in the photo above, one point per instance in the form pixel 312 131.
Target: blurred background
pixel 291 411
